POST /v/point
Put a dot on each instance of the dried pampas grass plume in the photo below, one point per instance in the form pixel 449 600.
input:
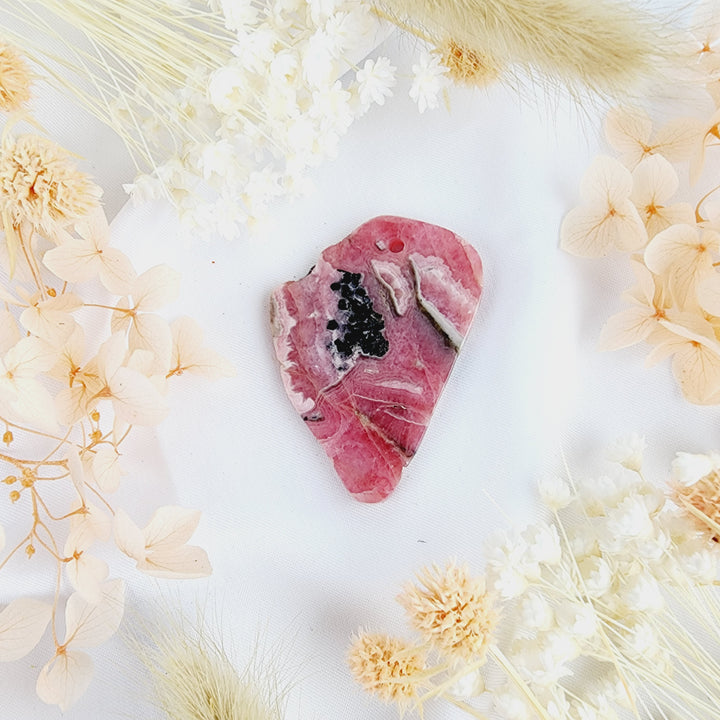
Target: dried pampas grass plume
pixel 193 677
pixel 607 46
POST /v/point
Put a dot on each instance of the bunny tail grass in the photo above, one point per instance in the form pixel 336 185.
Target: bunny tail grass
pixel 610 47
pixel 194 679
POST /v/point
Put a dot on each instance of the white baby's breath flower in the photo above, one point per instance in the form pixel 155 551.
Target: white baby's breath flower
pixel 577 619
pixel 688 468
pixel 597 576
pixel 698 561
pixel 536 613
pixel 555 492
pixel 543 544
pixel 640 640
pixel 599 493
pixel 429 79
pixel 628 451
pixel 508 705
pixel 375 80
pixel 655 547
pixel 642 594
pixel 630 519
pixel 583 541
pixel 469 685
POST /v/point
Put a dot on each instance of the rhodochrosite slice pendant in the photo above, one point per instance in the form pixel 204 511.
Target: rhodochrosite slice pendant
pixel 367 339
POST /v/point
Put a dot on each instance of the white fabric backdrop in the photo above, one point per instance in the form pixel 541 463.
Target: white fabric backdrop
pixel 294 556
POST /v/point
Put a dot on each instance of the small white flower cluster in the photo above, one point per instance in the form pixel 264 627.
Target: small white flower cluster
pixel 634 203
pixel 278 107
pixel 614 589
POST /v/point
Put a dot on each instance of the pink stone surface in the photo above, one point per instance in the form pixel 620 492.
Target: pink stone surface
pixel 367 340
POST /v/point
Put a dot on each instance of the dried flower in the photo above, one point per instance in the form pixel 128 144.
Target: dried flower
pixel 14 79
pixel 48 377
pixel 676 302
pixel 387 667
pixel 469 67
pixel 704 497
pixel 40 184
pixel 607 219
pixel 616 614
pixel 451 610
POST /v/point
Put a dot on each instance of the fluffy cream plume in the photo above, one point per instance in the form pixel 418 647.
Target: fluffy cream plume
pixel 194 679
pixel 608 46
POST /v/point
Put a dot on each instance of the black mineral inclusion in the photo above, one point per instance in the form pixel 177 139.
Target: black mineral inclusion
pixel 360 328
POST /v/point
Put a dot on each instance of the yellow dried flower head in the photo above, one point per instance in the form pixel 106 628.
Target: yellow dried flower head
pixel 451 610
pixel 40 184
pixel 14 79
pixel 703 496
pixel 387 667
pixel 468 66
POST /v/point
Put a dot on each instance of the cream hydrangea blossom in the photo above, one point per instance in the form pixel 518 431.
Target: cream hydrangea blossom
pixel 674 306
pixel 607 219
pixel 655 182
pixel 630 132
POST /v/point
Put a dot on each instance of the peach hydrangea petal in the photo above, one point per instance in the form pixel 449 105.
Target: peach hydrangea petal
pixel 106 468
pixel 708 294
pixel 626 328
pixel 709 135
pixel 607 218
pixel 654 183
pixel 64 679
pixel 160 549
pixel 22 624
pixel 684 255
pixel 697 370
pixel 676 140
pixel 628 131
pixel 190 355
pixel 594 232
pixel 155 288
pixel 605 182
pixel 90 624
pixel 86 574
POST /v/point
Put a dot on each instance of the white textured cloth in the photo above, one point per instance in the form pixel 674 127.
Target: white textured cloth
pixel 294 556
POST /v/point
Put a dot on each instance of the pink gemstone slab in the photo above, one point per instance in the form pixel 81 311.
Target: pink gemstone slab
pixel 367 340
